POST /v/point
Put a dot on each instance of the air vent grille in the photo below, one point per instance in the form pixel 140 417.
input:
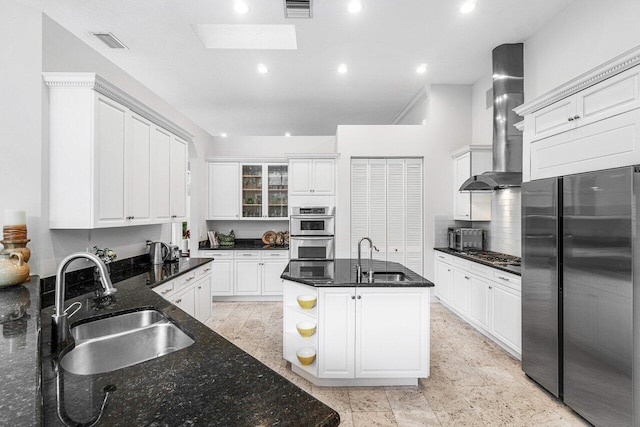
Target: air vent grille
pixel 110 40
pixel 298 8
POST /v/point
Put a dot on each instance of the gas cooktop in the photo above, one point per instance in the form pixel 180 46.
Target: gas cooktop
pixel 493 257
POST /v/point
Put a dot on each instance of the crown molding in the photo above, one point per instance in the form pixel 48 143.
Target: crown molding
pixel 312 155
pixel 629 59
pixel 233 159
pixel 97 83
pixel 470 148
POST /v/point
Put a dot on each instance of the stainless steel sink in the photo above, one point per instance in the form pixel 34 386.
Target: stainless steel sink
pixel 117 342
pixel 389 277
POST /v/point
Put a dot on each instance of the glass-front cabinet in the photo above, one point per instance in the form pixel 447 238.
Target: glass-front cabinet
pixel 264 191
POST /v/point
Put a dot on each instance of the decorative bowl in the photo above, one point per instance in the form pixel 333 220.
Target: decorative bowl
pixel 306 356
pixel 306 328
pixel 307 302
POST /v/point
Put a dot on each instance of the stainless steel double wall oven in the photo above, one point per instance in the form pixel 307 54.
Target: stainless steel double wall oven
pixel 312 233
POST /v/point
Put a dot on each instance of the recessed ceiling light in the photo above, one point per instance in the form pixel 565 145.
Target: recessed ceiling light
pixel 421 69
pixel 355 6
pixel 240 7
pixel 262 69
pixel 468 6
pixel 224 135
pixel 342 68
pixel 287 134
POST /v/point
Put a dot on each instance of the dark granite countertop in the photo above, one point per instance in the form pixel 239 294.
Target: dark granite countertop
pixel 513 269
pixel 20 354
pixel 342 272
pixel 244 244
pixel 211 382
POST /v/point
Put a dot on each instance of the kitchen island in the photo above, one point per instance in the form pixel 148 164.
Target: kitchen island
pixel 211 382
pixel 364 334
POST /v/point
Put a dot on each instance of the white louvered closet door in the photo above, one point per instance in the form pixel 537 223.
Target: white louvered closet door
pixel 378 207
pixel 396 210
pixel 414 228
pixel 359 202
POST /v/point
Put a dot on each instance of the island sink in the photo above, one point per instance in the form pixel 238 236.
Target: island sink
pixel 388 277
pixel 116 342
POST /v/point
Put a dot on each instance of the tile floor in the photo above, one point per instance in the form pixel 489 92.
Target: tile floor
pixel 473 381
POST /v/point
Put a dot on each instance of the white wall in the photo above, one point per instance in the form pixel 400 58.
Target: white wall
pixel 448 127
pixel 38 44
pixel 584 35
pixel 416 111
pixel 269 146
pixel 482 117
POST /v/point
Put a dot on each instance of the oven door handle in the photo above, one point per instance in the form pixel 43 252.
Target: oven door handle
pixel 313 217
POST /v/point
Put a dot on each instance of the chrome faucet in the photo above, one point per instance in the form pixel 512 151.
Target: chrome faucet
pixel 59 317
pixel 359 265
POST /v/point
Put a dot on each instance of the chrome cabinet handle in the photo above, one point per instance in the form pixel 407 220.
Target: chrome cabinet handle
pixel 199 287
pixel 190 279
pixel 571 119
pixel 207 269
pixel 467 277
pixel 166 292
pixel 359 296
pixel 490 287
pixel 576 117
pixel 179 301
pixel 503 278
pixel 353 297
pixel 448 269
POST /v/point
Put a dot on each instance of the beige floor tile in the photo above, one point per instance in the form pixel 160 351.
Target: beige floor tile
pixel 406 399
pixel 459 418
pixel 346 419
pixel 416 418
pixel 373 419
pixel 369 400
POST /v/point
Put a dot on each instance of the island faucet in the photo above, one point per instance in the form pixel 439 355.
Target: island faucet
pixel 359 265
pixel 59 318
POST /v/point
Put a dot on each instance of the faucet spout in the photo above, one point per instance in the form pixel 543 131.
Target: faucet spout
pixel 59 317
pixel 359 265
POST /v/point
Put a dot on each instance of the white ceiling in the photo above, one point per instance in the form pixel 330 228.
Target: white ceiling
pixel 302 93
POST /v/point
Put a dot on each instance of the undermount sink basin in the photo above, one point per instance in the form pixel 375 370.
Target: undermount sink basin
pixel 116 342
pixel 388 277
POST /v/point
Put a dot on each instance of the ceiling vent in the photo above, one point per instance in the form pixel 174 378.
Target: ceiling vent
pixel 297 8
pixel 110 40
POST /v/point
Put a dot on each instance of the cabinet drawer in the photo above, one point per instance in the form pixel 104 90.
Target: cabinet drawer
pixel 462 263
pixel 166 289
pixel 208 254
pixel 482 270
pixel 441 256
pixel 203 271
pixel 276 254
pixel 222 254
pixel 246 255
pixel 510 280
pixel 185 280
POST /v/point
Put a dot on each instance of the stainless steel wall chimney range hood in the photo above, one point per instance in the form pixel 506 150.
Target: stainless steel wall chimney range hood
pixel 508 93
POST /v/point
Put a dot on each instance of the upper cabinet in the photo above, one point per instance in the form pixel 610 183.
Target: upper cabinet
pixel 468 161
pixel 247 191
pixel 589 123
pixel 110 164
pixel 314 176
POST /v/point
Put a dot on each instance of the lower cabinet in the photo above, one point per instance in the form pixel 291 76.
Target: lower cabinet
pixel 362 333
pixel 246 273
pixel 487 298
pixel 191 292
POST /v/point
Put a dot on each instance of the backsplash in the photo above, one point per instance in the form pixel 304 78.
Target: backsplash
pixel 502 232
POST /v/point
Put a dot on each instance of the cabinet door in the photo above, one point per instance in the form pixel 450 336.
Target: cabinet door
pixel 506 318
pixel 223 195
pixel 551 120
pixel 178 178
pixel 162 200
pixel 336 333
pixel 300 176
pixel 444 281
pixel 461 290
pixel 222 277
pixel 396 203
pixel 186 301
pixel 139 175
pixel 414 252
pixel 203 304
pixel 271 271
pixel 461 199
pixel 248 276
pixel 110 137
pixel 323 177
pixel 252 191
pixel 276 197
pixel 380 350
pixel 360 208
pixel 480 301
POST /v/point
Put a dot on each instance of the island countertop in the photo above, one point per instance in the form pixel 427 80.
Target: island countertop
pixel 211 382
pixel 342 273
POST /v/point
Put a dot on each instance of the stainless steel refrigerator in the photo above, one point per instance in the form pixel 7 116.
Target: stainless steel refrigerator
pixel 581 270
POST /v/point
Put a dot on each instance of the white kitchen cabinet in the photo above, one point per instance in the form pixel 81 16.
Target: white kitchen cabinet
pixel 178 179
pixel 221 272
pixel 444 280
pixel 248 273
pixel 589 123
pixel 364 333
pixel 272 269
pixel 312 177
pixel 223 191
pixel 387 206
pixel 468 161
pixel 191 292
pixel 487 298
pixel 264 191
pixel 103 142
pixel 161 140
